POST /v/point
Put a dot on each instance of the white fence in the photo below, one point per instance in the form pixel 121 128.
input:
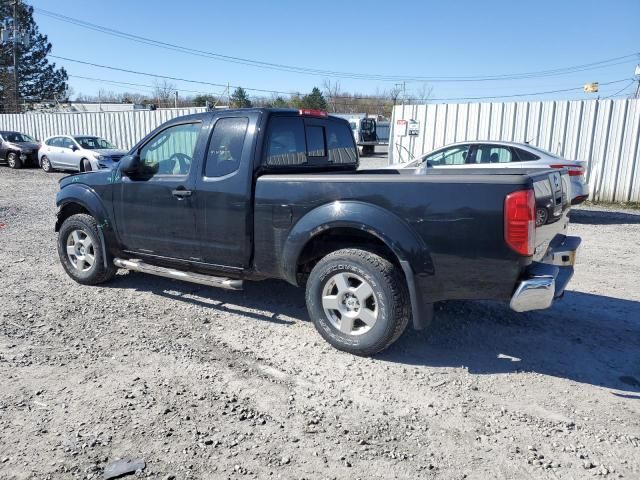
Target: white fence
pixel 124 129
pixel 603 133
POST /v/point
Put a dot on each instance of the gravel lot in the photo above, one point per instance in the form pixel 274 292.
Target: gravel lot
pixel 204 383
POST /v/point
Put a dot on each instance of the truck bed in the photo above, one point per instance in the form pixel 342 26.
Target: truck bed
pixel 457 215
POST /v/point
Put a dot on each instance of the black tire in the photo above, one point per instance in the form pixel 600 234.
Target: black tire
pixel 389 292
pixel 85 165
pixel 542 217
pixel 13 160
pixel 45 163
pixel 96 273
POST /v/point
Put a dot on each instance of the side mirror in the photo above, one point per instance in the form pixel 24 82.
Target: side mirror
pixel 130 165
pixel 74 148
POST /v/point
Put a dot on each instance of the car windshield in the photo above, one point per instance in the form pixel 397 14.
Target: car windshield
pixel 16 137
pixel 543 151
pixel 93 143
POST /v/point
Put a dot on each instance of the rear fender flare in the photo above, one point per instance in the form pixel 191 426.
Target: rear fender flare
pixel 401 239
pixel 409 248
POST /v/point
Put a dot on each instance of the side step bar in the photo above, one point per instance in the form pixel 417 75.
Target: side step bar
pixel 219 282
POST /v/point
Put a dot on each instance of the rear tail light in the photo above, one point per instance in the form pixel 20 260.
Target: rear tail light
pixel 574 170
pixel 313 113
pixel 520 221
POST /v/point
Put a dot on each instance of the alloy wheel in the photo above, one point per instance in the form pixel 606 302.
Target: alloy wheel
pixel 349 303
pixel 80 250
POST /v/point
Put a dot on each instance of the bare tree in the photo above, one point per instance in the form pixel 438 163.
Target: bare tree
pixel 394 94
pixel 163 93
pixel 423 94
pixel 331 91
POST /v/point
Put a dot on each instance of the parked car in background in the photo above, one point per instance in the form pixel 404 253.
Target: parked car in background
pixel 495 154
pixel 18 149
pixel 83 153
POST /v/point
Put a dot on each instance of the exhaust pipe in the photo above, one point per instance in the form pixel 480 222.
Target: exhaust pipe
pixel 211 281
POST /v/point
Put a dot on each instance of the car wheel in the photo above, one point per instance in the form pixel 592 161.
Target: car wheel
pixel 14 161
pixel 80 251
pixel 358 301
pixel 541 216
pixel 46 164
pixel 86 165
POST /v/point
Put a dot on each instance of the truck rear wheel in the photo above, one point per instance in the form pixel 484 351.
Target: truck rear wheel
pixel 358 301
pixel 80 251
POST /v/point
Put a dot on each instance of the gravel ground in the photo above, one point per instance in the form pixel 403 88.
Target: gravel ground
pixel 204 383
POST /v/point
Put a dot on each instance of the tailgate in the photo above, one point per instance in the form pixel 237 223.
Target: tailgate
pixel 552 190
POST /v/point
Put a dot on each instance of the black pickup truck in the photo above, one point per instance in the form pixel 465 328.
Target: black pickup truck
pixel 222 197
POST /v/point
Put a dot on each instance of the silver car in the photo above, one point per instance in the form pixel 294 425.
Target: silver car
pixel 495 154
pixel 82 153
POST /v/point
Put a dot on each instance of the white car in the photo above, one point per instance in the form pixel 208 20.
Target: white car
pixel 82 153
pixel 495 154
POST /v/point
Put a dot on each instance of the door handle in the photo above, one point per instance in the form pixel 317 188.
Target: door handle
pixel 181 193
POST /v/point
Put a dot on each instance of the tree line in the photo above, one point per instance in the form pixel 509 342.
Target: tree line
pixel 329 98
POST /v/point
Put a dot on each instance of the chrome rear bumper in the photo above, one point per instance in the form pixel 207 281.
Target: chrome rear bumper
pixel 536 293
pixel 547 279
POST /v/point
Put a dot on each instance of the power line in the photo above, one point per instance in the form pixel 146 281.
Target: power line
pixel 332 73
pixel 621 90
pixel 354 97
pixel 117 82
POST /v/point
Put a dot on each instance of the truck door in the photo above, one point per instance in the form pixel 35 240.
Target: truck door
pixel 224 186
pixel 155 211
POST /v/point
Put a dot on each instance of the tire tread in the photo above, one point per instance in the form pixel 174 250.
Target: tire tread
pixel 395 282
pixel 101 274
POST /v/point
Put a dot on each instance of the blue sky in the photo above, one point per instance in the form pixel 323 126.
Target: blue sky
pixel 418 38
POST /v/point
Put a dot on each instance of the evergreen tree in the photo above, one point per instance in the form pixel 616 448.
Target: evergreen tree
pixel 314 100
pixel 279 102
pixel 204 99
pixel 37 78
pixel 240 99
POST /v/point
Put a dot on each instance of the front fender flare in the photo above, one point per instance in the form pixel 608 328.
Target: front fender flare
pixel 89 200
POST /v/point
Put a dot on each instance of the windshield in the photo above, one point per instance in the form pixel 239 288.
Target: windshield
pixel 16 137
pixel 93 143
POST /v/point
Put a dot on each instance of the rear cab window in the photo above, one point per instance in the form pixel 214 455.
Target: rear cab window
pixel 309 141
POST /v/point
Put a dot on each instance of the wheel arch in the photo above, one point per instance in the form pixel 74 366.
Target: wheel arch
pixel 355 224
pixel 78 198
pixel 80 164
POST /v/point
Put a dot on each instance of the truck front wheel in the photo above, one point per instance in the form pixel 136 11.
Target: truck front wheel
pixel 81 252
pixel 358 301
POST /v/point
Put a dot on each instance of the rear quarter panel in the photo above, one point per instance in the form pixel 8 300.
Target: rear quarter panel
pixel 459 219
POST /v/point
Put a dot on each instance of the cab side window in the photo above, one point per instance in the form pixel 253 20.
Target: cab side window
pixel 170 152
pixel 225 146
